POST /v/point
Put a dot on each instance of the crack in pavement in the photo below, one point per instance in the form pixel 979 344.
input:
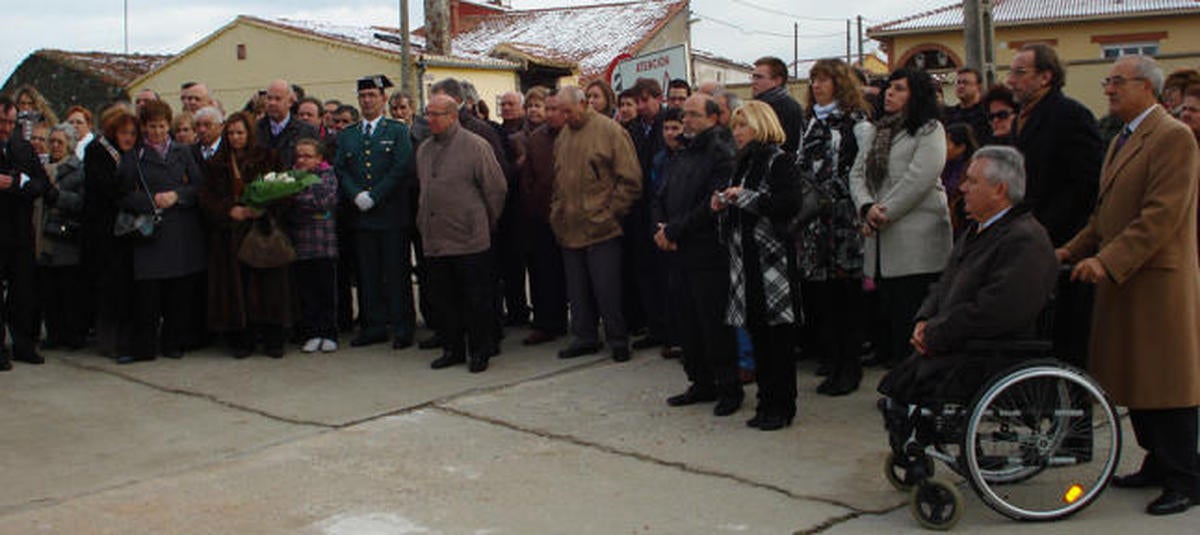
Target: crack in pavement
pixel 838 520
pixel 682 466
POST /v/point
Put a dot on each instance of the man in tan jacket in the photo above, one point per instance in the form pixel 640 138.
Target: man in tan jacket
pixel 597 178
pixel 1139 249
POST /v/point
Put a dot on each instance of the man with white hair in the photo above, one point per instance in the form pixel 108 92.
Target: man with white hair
pixel 277 131
pixel 999 278
pixel 208 124
pixel 1139 249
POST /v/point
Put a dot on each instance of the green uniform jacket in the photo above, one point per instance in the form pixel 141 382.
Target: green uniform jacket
pixel 382 166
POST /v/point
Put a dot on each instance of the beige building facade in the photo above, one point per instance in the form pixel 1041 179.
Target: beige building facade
pixel 1087 41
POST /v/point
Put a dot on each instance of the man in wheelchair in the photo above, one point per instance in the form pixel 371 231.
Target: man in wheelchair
pixel 1000 276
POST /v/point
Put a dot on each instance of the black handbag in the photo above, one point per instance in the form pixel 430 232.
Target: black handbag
pixel 137 225
pixel 266 246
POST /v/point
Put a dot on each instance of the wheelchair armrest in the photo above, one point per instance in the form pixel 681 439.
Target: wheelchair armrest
pixel 1009 346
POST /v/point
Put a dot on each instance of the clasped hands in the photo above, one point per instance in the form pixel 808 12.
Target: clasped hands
pixel 660 239
pixel 876 219
pixel 722 199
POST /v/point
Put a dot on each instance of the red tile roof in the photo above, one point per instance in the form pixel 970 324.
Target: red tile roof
pixel 1018 12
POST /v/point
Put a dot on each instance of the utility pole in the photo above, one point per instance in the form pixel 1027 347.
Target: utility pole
pixel 849 60
pixel 437 27
pixel 126 26
pixel 795 50
pixel 861 60
pixel 973 34
pixel 989 44
pixel 406 62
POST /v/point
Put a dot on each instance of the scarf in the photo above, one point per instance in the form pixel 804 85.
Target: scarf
pixel 877 158
pixel 823 111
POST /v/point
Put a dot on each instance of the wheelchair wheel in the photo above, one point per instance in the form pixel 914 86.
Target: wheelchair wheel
pixel 936 504
pixel 1042 442
pixel 902 477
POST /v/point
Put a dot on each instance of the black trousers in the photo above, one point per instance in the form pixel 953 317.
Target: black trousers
pixel 1169 438
pixel 511 266
pixel 463 286
pixel 424 289
pixel 1072 320
pixel 547 278
pixel 316 286
pixel 899 300
pixel 347 272
pixel 834 309
pixel 17 280
pixel 709 346
pixel 385 282
pixel 774 368
pixel 63 296
pixel 163 313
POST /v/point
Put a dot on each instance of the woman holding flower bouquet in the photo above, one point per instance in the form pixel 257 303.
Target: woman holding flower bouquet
pixel 314 234
pixel 245 303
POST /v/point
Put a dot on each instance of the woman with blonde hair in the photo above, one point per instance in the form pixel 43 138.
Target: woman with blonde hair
pixel 32 107
pixel 755 210
pixel 829 248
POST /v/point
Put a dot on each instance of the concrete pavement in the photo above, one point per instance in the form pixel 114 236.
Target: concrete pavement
pixel 371 440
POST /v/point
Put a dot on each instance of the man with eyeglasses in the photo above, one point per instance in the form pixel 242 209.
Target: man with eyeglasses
pixel 1063 152
pixel 969 109
pixel 1139 250
pixel 22 180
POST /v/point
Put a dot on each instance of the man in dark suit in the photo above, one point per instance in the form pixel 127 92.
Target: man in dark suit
pixel 999 277
pixel 374 164
pixel 1063 152
pixel 22 179
pixel 278 130
pixel 644 276
pixel 768 82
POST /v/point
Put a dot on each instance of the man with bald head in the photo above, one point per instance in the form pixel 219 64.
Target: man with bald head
pixel 193 96
pixel 277 131
pixel 462 191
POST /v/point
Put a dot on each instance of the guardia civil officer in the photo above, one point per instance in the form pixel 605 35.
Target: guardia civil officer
pixel 374 165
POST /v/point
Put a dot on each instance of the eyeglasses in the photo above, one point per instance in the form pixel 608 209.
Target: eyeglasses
pixel 1118 80
pixel 1002 115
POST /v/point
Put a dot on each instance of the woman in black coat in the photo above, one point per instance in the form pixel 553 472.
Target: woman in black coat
pixel 109 170
pixel 762 297
pixel 60 281
pixel 165 266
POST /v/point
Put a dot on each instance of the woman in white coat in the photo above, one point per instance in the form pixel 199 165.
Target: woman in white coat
pixel 896 186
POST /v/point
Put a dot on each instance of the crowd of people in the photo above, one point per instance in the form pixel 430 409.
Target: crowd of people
pixel 674 217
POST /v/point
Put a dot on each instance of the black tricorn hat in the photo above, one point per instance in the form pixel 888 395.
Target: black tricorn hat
pixel 377 81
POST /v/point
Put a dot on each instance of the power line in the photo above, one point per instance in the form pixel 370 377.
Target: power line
pixel 764 32
pixel 785 13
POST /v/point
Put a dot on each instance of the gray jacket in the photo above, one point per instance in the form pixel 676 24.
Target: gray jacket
pixel 918 239
pixel 65 210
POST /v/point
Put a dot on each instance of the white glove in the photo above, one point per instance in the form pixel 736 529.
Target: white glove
pixel 363 201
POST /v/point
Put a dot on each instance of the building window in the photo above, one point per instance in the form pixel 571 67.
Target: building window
pixel 241 52
pixel 1116 50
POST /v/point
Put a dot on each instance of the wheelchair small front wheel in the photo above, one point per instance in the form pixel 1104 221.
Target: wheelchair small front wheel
pixel 936 505
pixel 903 478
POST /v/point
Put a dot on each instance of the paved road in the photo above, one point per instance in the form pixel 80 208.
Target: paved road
pixel 372 441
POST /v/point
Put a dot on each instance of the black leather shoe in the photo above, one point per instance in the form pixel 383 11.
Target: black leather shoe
pixel 402 343
pixel 32 358
pixel 433 342
pixel 538 337
pixel 727 405
pixel 672 352
pixel 772 422
pixel 366 340
pixel 832 388
pixel 578 351
pixel 756 420
pixel 647 342
pixel 692 397
pixel 241 352
pixel 1136 480
pixel 447 360
pixel 274 352
pixel 1170 502
pixel 5 365
pixel 621 354
pixel 173 354
pixel 130 359
pixel 477 365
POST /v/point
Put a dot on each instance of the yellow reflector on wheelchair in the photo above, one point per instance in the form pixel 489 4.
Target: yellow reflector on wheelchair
pixel 1073 494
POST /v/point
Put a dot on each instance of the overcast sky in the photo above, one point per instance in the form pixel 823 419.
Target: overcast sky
pixel 737 29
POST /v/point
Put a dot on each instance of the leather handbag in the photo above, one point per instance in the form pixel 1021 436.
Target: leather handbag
pixel 266 246
pixel 134 224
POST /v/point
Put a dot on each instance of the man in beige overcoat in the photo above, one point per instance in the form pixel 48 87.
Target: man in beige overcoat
pixel 1139 249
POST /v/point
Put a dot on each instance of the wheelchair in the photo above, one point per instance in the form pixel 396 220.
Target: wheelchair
pixel 1038 442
